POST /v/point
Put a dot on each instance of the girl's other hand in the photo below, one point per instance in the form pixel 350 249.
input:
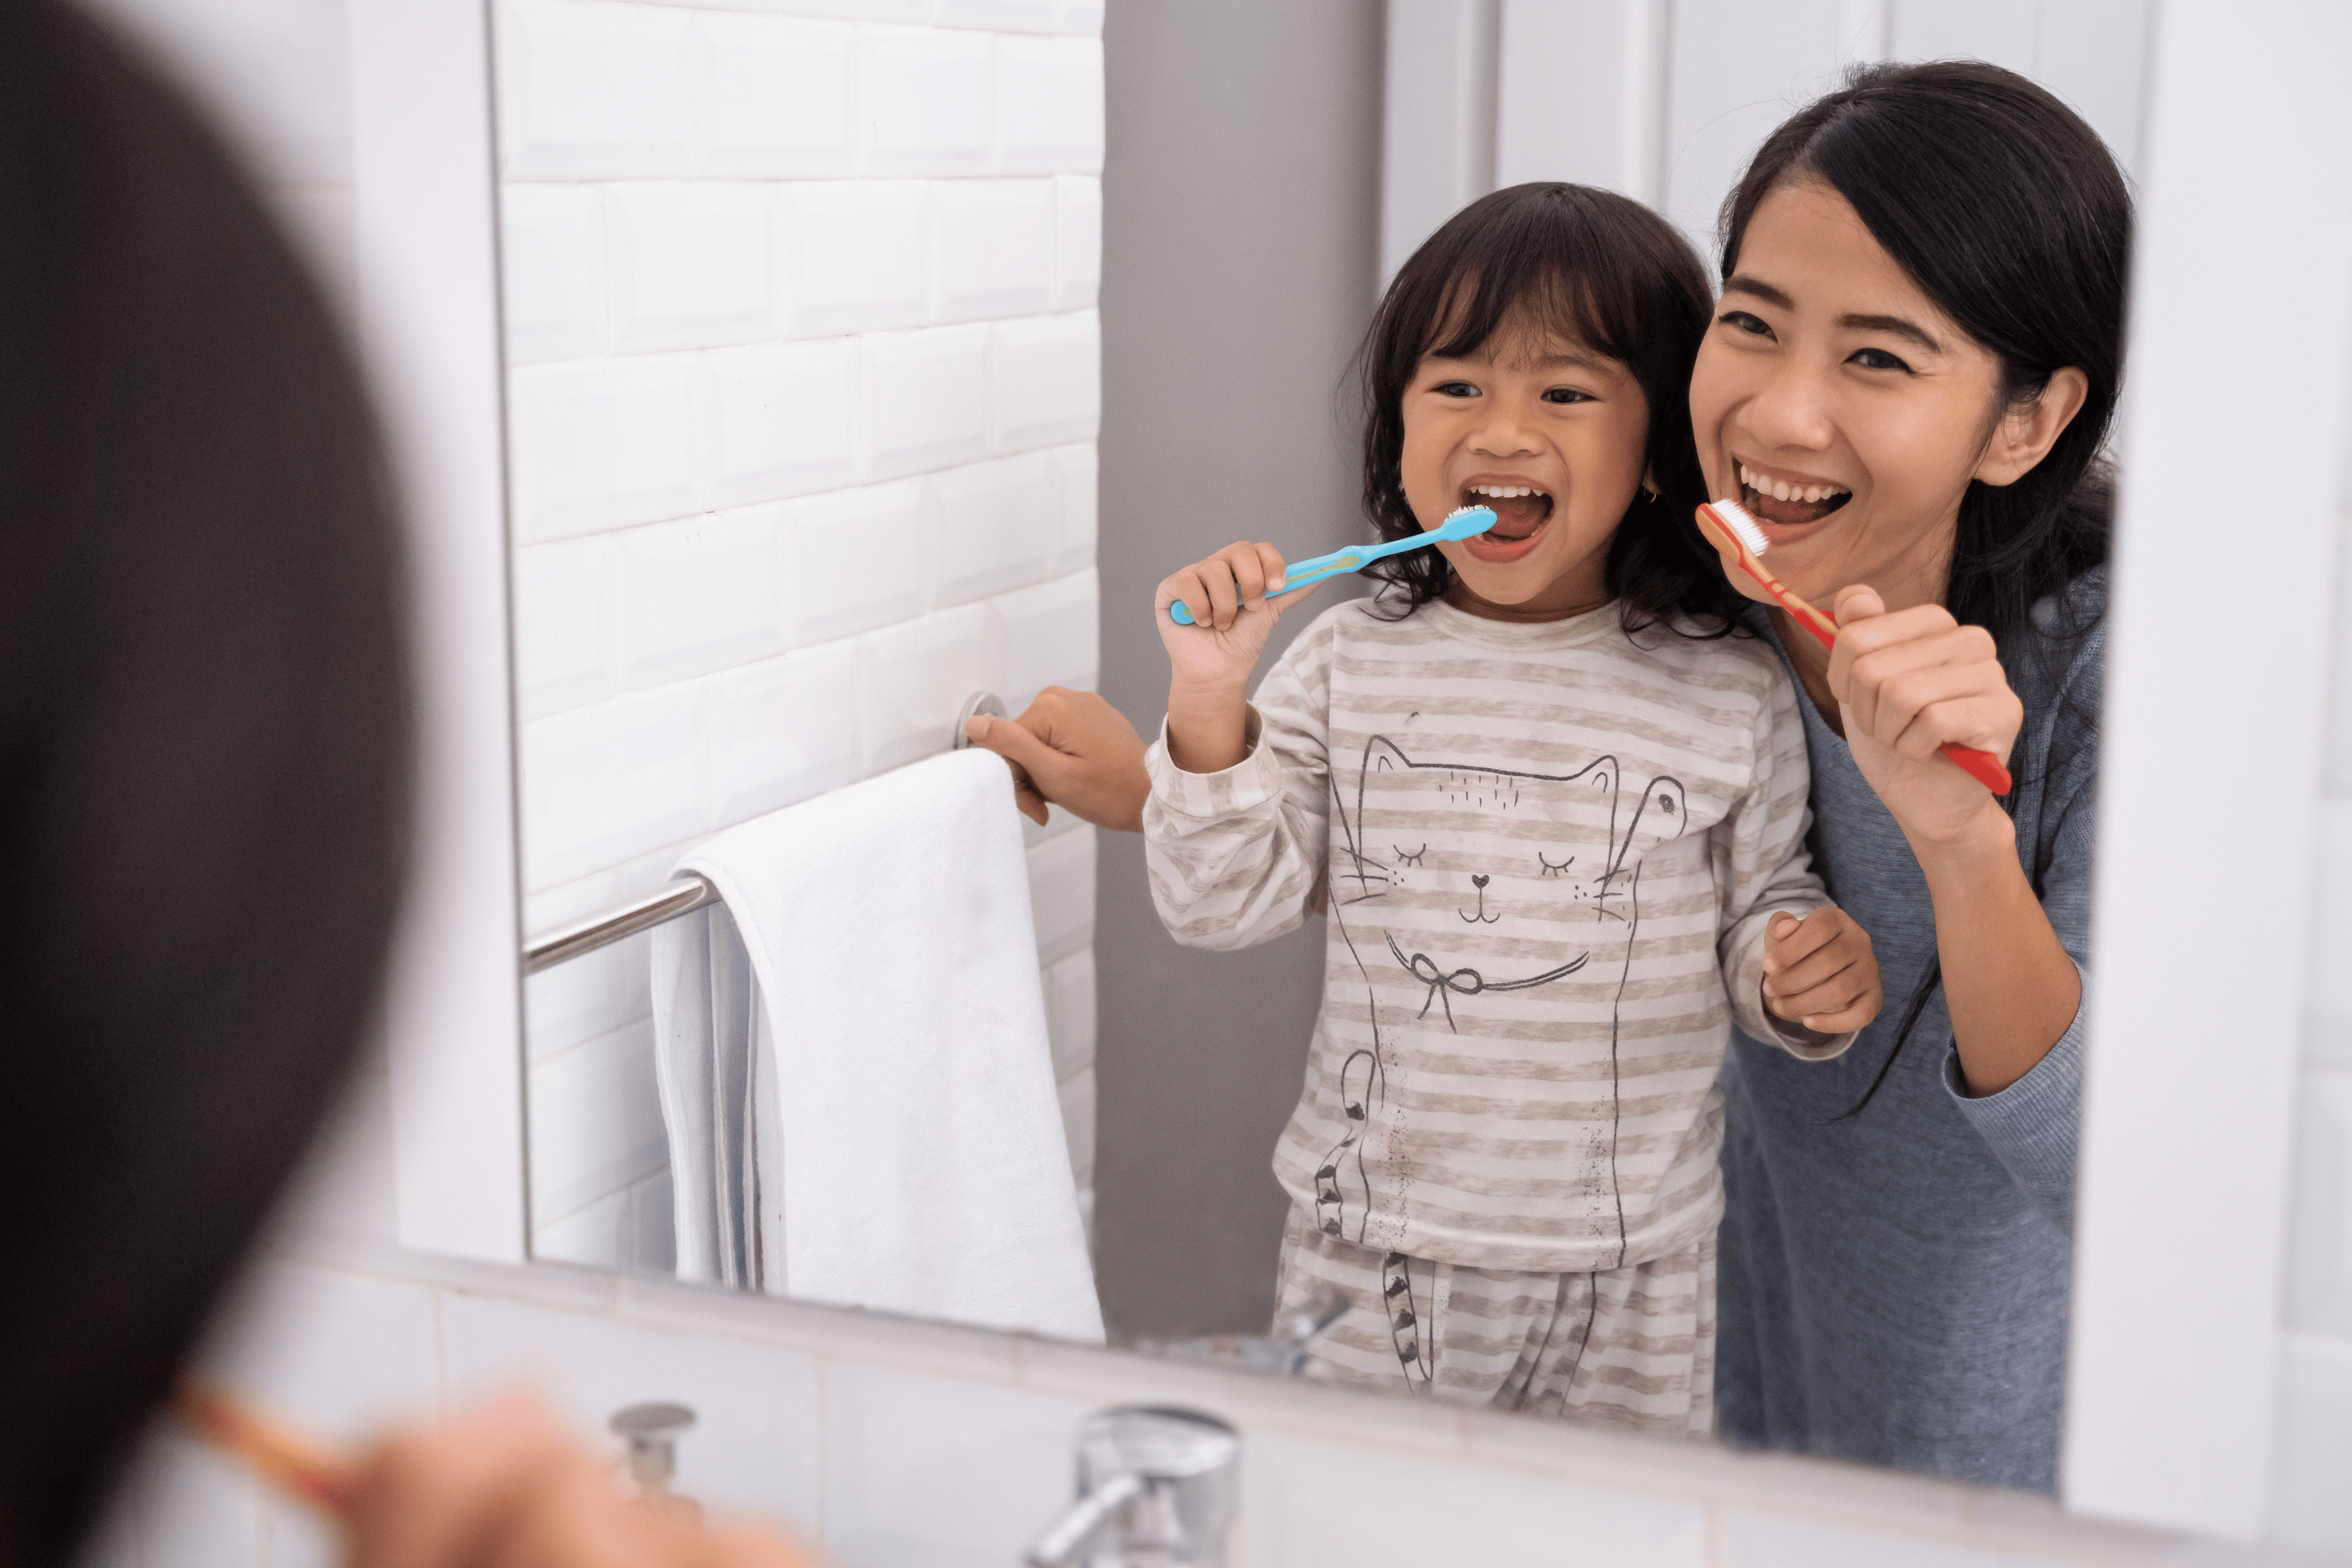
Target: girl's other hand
pixel 1908 683
pixel 1232 617
pixel 1820 970
pixel 504 1486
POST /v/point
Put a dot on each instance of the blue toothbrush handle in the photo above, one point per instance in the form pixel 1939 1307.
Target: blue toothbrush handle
pixel 1314 569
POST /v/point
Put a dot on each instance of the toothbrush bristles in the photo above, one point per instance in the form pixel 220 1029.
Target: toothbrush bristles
pixel 1743 526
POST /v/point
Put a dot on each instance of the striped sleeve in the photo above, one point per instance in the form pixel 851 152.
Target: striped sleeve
pixel 1762 867
pixel 1236 858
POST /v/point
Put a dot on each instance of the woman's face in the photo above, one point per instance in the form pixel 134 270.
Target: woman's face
pixel 1549 432
pixel 1842 408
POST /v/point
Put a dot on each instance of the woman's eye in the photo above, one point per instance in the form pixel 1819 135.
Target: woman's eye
pixel 1454 389
pixel 1877 359
pixel 1565 394
pixel 1741 320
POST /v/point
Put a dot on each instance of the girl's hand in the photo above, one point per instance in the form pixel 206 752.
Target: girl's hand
pixel 504 1486
pixel 1908 683
pixel 1210 661
pixel 1820 970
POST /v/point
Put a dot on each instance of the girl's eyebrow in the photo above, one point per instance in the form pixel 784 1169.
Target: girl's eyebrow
pixel 1901 327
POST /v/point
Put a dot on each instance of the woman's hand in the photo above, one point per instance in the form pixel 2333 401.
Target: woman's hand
pixel 1820 971
pixel 1907 682
pixel 504 1486
pixel 1076 751
pixel 1210 661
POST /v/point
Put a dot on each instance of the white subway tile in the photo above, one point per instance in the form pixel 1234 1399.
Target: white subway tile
pixel 1457 1514
pixel 595 1122
pixel 998 16
pixel 1078 1097
pixel 186 1504
pixel 600 444
pixel 589 996
pixel 925 399
pixel 1767 1541
pixel 851 254
pixel 991 1465
pixel 783 731
pixel 775 93
pixel 690 264
pixel 912 679
pixel 596 1237
pixel 341 1355
pixel 2327 961
pixel 591 90
pixel 1048 376
pixel 2319 1249
pixel 696 595
pixel 925 100
pixel 776 421
pixel 1081 16
pixel 1070 1013
pixel 1048 636
pixel 855 561
pixel 1049 106
pixel 994 243
pixel 851 10
pixel 1061 893
pixel 993 528
pixel 551 263
pixel 603 784
pixel 1078 241
pixel 2311 1506
pixel 1079 471
pixel 561 638
pixel 755 1444
pixel 653 1225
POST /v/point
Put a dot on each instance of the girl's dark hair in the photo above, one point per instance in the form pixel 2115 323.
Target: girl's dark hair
pixel 203 741
pixel 2010 213
pixel 1598 268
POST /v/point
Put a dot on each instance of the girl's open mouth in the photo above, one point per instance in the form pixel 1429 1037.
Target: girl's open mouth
pixel 1786 505
pixel 1520 512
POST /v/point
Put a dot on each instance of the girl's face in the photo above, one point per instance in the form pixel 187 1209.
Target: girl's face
pixel 1549 434
pixel 1847 412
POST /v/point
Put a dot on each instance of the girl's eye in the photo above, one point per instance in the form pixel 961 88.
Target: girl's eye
pixel 1454 389
pixel 1565 394
pixel 1876 359
pixel 1740 321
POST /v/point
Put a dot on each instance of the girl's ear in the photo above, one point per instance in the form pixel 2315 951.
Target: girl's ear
pixel 1649 482
pixel 2027 432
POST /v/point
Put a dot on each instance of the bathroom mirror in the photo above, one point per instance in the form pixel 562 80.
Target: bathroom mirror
pixel 863 361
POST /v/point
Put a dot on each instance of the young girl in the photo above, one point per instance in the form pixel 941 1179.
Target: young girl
pixel 1557 817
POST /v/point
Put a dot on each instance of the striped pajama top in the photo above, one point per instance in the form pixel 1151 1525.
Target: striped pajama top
pixel 1548 853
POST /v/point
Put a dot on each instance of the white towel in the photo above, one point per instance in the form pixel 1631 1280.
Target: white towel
pixel 869 1118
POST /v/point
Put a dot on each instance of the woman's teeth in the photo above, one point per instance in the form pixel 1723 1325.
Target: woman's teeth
pixel 1780 489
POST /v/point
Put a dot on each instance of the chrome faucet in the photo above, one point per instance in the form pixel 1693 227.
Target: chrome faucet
pixel 1158 1488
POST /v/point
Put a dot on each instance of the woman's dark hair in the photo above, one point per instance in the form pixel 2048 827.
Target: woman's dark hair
pixel 2010 213
pixel 1590 265
pixel 202 744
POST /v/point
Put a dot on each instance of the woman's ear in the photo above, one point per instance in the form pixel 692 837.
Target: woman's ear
pixel 2026 434
pixel 1649 482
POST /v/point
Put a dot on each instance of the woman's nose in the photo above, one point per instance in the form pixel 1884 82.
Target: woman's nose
pixel 1792 409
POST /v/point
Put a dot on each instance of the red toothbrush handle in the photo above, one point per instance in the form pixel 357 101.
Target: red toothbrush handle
pixel 1981 766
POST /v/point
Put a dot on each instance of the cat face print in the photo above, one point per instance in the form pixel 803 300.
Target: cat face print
pixel 1513 878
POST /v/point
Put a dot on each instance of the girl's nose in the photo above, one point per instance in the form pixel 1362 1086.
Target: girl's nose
pixel 1502 433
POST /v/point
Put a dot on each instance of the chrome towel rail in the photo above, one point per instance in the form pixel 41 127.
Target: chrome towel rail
pixel 683 895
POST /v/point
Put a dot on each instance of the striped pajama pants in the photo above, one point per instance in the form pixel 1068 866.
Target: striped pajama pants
pixel 1629 1348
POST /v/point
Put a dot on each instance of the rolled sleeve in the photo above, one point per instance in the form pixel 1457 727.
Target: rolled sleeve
pixel 2034 1124
pixel 1249 783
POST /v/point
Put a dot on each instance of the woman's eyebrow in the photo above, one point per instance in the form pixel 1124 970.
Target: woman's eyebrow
pixel 1895 326
pixel 1740 283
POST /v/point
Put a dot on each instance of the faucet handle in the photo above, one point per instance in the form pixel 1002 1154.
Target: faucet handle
pixel 1156 1485
pixel 652 1432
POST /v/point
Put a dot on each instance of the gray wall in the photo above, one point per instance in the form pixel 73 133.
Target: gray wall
pixel 1240 233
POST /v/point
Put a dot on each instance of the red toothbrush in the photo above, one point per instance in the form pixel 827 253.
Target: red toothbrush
pixel 1738 540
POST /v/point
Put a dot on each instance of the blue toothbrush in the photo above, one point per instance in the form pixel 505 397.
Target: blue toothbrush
pixel 1461 524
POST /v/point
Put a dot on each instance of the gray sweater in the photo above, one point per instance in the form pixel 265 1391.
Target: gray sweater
pixel 1894 1286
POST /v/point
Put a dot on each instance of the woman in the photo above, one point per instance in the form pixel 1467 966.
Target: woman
pixel 1913 368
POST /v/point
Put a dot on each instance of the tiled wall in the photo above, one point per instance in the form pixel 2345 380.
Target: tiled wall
pixel 802 394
